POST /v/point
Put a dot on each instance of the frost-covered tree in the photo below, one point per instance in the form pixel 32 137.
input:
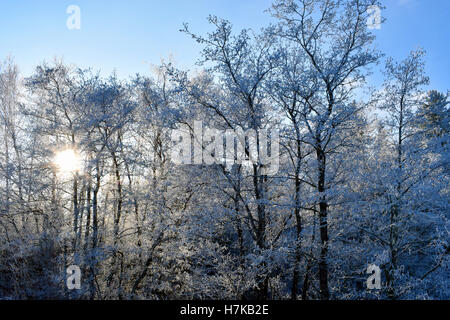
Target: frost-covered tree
pixel 334 37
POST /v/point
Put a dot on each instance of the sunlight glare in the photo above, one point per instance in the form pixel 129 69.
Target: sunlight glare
pixel 67 161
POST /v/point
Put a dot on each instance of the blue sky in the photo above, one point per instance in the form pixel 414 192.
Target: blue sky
pixel 128 36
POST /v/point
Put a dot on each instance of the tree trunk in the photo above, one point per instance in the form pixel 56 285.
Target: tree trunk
pixel 323 227
pixel 298 219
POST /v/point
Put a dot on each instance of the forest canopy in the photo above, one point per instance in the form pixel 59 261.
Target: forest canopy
pixel 90 174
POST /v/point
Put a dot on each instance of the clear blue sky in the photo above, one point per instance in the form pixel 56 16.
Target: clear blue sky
pixel 129 35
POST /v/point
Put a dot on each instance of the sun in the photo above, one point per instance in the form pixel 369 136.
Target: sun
pixel 67 161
